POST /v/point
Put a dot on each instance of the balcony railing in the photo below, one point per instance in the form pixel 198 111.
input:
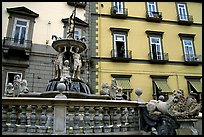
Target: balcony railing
pixel 185 19
pixel 123 13
pixel 123 55
pixel 51 116
pixel 159 57
pixel 154 16
pixel 192 59
pixel 17 44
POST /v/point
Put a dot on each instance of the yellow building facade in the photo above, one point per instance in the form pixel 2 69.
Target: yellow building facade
pixel 163 46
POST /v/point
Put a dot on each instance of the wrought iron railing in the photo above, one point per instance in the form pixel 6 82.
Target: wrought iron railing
pixel 153 14
pixel 17 43
pixel 158 56
pixel 122 12
pixel 185 18
pixel 192 58
pixel 126 54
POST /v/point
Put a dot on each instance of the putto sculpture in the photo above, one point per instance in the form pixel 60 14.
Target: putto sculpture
pixel 18 86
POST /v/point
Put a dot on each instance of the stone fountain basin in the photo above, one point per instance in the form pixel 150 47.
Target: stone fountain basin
pixel 58 44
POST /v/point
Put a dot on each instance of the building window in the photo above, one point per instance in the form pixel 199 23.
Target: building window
pixel 77 33
pixel 20 30
pixel 156 49
pixel 183 16
pixel 79 30
pixel 10 77
pixel 151 8
pixel 160 87
pixel 118 10
pixel 195 86
pixel 119 7
pixel 120 46
pixel 182 11
pixel 152 13
pixel 189 49
pixel 123 81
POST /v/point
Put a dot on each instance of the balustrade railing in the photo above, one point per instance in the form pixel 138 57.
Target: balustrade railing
pixel 22 115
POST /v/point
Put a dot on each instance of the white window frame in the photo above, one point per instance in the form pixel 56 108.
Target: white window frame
pixel 158 47
pixel 7 75
pixel 188 50
pixel 125 45
pixel 21 26
pixel 182 11
pixel 151 8
pixel 119 6
pixel 79 33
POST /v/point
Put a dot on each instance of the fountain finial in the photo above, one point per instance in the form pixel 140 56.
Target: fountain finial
pixel 71 21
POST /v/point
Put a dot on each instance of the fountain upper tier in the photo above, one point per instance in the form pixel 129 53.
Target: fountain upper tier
pixel 59 44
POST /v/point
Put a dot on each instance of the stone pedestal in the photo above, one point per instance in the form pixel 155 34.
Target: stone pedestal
pixel 186 127
pixel 59 127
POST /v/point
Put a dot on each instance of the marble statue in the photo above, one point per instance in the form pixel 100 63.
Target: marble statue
pixel 65 71
pixel 113 89
pixel 105 89
pixel 177 105
pixel 77 63
pixel 17 85
pixel 24 88
pixel 9 90
pixel 119 94
pixel 70 32
pixel 59 64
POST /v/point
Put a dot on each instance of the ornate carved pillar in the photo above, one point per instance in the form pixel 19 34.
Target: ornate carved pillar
pixel 33 128
pixel 123 120
pixel 4 117
pixel 76 118
pixel 86 119
pixel 115 119
pixel 106 119
pixel 23 119
pixel 96 120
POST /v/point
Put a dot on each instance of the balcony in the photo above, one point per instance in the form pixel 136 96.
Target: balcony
pixel 153 16
pixel 159 57
pixel 17 45
pixel 191 59
pixel 185 19
pixel 121 56
pixel 123 13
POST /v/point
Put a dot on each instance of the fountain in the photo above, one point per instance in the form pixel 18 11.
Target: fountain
pixel 68 66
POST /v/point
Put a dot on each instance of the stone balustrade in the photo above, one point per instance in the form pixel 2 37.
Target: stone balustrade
pixel 25 115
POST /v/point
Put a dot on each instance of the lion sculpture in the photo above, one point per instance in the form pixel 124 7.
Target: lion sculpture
pixel 177 105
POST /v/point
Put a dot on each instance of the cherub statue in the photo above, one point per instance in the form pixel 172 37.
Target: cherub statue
pixel 17 85
pixel 105 89
pixel 113 89
pixel 119 94
pixel 65 71
pixel 24 88
pixel 9 90
pixel 77 62
pixel 59 63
